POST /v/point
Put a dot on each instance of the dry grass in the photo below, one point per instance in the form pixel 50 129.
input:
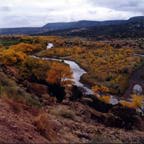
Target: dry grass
pixel 10 90
pixel 45 127
pixel 63 112
pixel 102 139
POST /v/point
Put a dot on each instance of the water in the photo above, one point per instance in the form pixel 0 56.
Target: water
pixel 77 72
pixel 50 45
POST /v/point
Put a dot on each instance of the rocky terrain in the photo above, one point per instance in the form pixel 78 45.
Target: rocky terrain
pixel 41 104
pixel 77 121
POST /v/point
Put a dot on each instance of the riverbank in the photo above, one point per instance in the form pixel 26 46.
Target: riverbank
pixel 77 72
pixel 69 58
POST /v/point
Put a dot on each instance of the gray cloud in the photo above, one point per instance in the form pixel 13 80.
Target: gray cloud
pixel 20 13
pixel 122 5
pixel 5 8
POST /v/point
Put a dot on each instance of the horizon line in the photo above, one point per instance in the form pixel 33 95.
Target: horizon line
pixel 18 27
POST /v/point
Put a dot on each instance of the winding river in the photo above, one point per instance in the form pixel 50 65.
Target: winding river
pixel 77 73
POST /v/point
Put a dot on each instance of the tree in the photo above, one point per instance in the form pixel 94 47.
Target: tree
pixel 59 73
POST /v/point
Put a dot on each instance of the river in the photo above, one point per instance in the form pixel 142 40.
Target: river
pixel 77 73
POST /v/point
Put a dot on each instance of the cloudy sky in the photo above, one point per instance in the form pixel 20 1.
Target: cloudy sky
pixel 23 13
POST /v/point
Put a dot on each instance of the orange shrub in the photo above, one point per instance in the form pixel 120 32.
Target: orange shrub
pixel 10 57
pixel 127 104
pixel 26 48
pixel 136 102
pixel 59 73
pixel 102 89
pixel 105 99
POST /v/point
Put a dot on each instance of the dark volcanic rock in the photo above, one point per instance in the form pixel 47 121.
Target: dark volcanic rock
pixel 76 93
pixel 124 117
pixel 99 105
pixel 58 91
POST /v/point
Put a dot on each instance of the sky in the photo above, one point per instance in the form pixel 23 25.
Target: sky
pixel 35 13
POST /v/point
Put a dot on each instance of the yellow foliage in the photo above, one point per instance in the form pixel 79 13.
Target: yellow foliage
pixel 11 57
pixel 127 104
pixel 105 99
pixel 26 48
pixel 96 89
pixel 58 73
pixel 104 64
pixel 136 102
pixel 63 51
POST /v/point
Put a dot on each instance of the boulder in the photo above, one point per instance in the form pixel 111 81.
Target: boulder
pixel 137 89
pixel 76 93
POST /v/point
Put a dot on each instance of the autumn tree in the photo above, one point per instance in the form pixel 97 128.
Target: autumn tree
pixel 59 73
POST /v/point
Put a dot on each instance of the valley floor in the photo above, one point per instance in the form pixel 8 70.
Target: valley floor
pixel 36 108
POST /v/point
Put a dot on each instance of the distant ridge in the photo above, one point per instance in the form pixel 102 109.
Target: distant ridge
pixel 133 27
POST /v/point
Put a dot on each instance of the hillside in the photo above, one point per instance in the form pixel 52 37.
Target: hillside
pixel 69 121
pixel 109 29
pixel 80 24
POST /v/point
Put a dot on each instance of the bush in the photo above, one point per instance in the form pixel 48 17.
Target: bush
pixel 26 48
pixel 64 112
pixel 11 57
pixel 101 139
pixel 44 126
pixel 68 114
pixel 137 101
pixel 10 90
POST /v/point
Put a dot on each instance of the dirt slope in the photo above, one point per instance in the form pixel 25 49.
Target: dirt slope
pixel 16 125
pixel 67 122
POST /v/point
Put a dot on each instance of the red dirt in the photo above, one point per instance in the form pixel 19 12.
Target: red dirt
pixel 17 127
